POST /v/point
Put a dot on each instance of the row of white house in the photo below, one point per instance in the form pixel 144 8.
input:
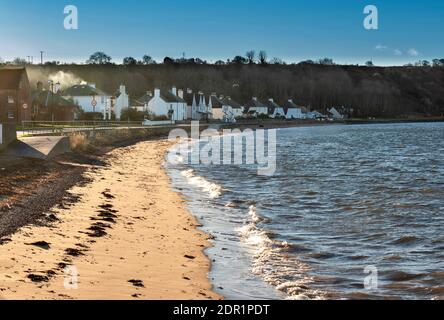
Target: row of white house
pixel 180 105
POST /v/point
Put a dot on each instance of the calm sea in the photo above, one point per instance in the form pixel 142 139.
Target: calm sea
pixel 353 212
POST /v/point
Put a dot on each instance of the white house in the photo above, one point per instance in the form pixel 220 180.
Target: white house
pixel 255 108
pixel 334 113
pixel 120 103
pixel 292 111
pixel 222 109
pixel 88 97
pixel 274 110
pixel 235 107
pixel 168 104
pixel 316 115
pixel 201 110
pixel 190 99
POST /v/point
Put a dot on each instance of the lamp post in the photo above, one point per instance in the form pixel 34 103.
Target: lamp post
pixel 51 89
pixel 94 104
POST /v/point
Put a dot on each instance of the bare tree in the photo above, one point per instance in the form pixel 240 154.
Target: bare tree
pixel 276 60
pixel 148 60
pixel 251 56
pixel 263 57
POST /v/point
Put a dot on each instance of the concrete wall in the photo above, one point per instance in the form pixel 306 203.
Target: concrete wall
pixel 86 139
pixel 8 134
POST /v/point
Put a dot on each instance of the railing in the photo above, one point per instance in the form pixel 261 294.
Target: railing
pixel 62 127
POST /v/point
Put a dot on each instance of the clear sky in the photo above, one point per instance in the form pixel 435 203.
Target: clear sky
pixel 218 29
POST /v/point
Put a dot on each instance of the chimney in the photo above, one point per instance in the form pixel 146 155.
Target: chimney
pixel 157 93
pixel 180 93
pixel 39 86
pixel 92 85
pixel 174 91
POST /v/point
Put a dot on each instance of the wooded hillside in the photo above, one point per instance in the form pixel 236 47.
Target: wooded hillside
pixel 370 91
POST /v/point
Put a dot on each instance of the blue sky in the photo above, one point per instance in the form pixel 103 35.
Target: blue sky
pixel 289 29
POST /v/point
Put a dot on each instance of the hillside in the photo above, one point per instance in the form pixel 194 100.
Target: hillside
pixel 371 91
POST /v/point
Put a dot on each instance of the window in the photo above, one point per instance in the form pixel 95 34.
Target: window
pixel 10 99
pixel 11 115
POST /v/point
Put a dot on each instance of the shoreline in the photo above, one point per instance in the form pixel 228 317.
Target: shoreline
pixel 126 234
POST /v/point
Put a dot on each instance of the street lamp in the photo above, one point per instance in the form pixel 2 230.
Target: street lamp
pixel 94 104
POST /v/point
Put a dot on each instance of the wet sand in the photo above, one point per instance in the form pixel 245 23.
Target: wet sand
pixel 127 235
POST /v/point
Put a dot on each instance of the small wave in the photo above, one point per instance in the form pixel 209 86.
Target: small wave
pixel 255 217
pixel 273 263
pixel 322 255
pixel 406 240
pixel 400 276
pixel 214 190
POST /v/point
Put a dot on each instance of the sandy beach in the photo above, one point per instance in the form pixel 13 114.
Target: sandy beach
pixel 127 235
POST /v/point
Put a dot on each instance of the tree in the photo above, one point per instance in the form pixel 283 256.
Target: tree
pixel 19 62
pixel 422 63
pixel 148 60
pixel 263 57
pixel 277 61
pixel 220 63
pixel 251 56
pixel 99 58
pixel 438 62
pixel 326 62
pixel 307 62
pixel 239 60
pixel 168 61
pixel 129 61
pixel 369 63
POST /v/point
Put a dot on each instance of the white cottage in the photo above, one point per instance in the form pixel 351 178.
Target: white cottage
pixel 335 114
pixel 221 110
pixel 84 94
pixel 292 111
pixel 200 109
pixel 235 107
pixel 274 110
pixel 190 99
pixel 168 104
pixel 255 108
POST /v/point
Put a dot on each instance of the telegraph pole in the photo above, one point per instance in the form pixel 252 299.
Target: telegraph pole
pixel 41 57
